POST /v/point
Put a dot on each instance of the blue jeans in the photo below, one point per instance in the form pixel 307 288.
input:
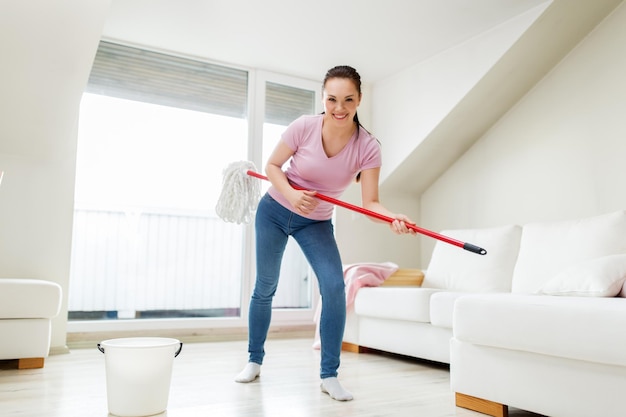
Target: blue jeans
pixel 274 224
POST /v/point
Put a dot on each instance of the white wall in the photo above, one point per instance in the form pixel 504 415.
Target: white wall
pixel 47 48
pixel 404 109
pixel 558 154
pixel 409 105
pixel 362 240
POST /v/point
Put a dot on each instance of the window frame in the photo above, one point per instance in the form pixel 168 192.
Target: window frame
pixel 258 80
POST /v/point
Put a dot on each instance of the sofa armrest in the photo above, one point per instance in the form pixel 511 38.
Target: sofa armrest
pixel 405 277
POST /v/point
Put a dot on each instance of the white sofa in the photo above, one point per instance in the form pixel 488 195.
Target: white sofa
pixel 27 307
pixel 536 324
pixel 423 314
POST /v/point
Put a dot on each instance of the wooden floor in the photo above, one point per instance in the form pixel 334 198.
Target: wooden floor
pixel 74 385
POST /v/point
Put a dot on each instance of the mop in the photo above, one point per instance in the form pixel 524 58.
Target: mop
pixel 240 196
pixel 240 193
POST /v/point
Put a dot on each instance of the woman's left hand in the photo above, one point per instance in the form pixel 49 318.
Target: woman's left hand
pixel 399 225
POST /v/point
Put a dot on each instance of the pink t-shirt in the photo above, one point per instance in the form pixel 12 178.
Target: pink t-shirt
pixel 312 169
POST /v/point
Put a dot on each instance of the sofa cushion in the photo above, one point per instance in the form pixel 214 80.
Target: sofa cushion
pixel 397 303
pixel 455 269
pixel 29 298
pixel 548 248
pixel 580 328
pixel 442 307
pixel 600 277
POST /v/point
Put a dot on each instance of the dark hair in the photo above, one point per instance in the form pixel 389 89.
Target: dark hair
pixel 345 71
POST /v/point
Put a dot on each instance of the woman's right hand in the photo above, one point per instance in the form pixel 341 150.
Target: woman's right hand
pixel 303 201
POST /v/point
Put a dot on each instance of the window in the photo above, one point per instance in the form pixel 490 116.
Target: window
pixel 155 133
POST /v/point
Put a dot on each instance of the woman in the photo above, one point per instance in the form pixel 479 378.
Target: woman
pixel 326 153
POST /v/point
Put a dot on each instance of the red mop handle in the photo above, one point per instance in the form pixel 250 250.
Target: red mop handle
pixel 464 245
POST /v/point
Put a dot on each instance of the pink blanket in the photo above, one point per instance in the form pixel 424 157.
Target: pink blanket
pixel 365 275
pixel 356 276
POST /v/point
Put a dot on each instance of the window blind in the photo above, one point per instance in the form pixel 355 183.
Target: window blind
pixel 140 75
pixel 284 104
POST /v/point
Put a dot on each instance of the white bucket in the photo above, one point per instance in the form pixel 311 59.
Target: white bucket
pixel 138 374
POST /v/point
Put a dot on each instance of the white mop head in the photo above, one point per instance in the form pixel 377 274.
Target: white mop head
pixel 240 193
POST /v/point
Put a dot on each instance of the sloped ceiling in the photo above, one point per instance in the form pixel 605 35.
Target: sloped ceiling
pixel 560 28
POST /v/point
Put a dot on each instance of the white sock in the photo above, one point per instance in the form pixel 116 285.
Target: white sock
pixel 332 387
pixel 249 373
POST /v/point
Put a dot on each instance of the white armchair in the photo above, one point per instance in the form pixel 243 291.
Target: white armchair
pixel 27 307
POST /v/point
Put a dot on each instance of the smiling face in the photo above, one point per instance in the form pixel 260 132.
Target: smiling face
pixel 341 100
